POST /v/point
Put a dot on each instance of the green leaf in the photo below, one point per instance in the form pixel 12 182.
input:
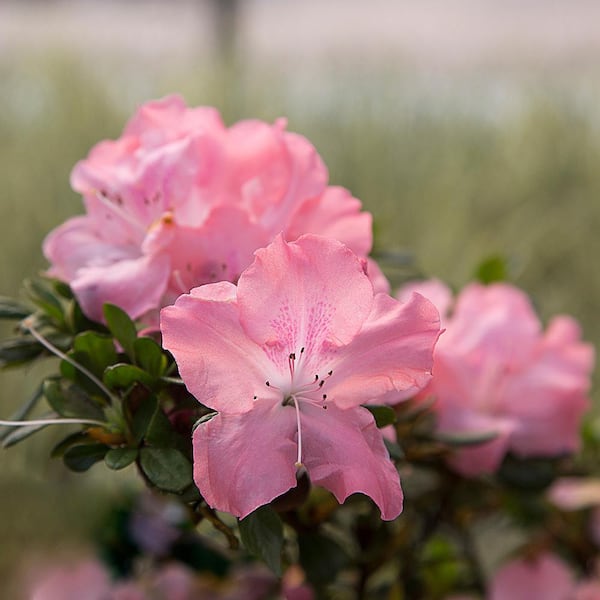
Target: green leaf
pixel 22 411
pixel 18 434
pixel 71 401
pixel 81 458
pixel 394 449
pixel 45 299
pixel 493 268
pixel 384 415
pixel 320 557
pixel 166 468
pixel 17 351
pixel 99 348
pixel 119 458
pixel 160 433
pixel 122 327
pixel 143 417
pixel 77 438
pixel 149 356
pixel 12 309
pixel 466 439
pixel 262 535
pixel 62 289
pixel 123 376
pixel 527 474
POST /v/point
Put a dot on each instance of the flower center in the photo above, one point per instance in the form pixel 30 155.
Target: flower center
pixel 302 387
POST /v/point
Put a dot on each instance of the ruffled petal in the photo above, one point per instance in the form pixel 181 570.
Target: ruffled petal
pixel 291 295
pixel 220 365
pixel 244 461
pixel 334 214
pixel 79 243
pixel 136 285
pixel 392 353
pixel 343 451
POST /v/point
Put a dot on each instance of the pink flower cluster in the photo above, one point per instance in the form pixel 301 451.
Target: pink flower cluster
pixel 180 200
pixel 496 371
pixel 90 580
pixel 287 358
pixel 545 577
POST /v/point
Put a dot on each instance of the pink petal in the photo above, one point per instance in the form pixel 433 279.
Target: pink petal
pixel 575 493
pixel 220 365
pixel 392 353
pixel 135 285
pixel 79 243
pixel 344 452
pixel 497 320
pixel 434 290
pixel 475 460
pixel 544 577
pixel 380 282
pixel 299 284
pixel 207 253
pixel 334 214
pixel 243 461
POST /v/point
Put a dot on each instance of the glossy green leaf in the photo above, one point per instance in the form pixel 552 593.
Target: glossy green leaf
pixel 81 458
pixel 99 348
pixel 12 309
pixel 123 375
pixel 384 415
pixel 149 356
pixel 121 326
pixel 119 458
pixel 71 401
pixel 73 439
pixel 143 417
pixel 166 468
pixel 262 535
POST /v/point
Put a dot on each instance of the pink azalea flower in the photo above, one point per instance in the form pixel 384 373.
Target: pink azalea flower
pixel 87 580
pixel 545 576
pixel 180 200
pixel 496 371
pixel 287 358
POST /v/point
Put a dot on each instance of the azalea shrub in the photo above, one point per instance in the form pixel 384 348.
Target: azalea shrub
pixel 304 431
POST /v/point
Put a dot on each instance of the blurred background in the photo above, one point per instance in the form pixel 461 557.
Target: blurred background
pixel 469 128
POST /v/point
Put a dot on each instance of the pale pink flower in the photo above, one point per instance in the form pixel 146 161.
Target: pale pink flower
pixel 496 371
pixel 575 493
pixel 287 358
pixel 87 580
pixel 180 200
pixel 544 577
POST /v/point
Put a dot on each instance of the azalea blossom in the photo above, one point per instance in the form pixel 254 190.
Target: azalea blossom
pixel 287 358
pixel 545 576
pixel 495 371
pixel 180 200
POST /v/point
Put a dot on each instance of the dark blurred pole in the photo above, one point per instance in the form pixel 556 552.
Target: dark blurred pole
pixel 226 15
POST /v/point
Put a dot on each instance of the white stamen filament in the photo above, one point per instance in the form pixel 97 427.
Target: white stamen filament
pixel 54 350
pixel 120 212
pixel 52 422
pixel 296 405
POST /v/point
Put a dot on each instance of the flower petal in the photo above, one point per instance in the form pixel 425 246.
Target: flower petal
pixel 136 285
pixel 344 452
pixel 220 365
pixel 291 295
pixel 243 461
pixel 334 214
pixel 392 353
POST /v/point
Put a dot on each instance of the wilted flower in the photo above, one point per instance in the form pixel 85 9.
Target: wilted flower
pixel 287 358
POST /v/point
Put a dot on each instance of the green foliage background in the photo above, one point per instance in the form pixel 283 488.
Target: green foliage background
pixel 452 172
